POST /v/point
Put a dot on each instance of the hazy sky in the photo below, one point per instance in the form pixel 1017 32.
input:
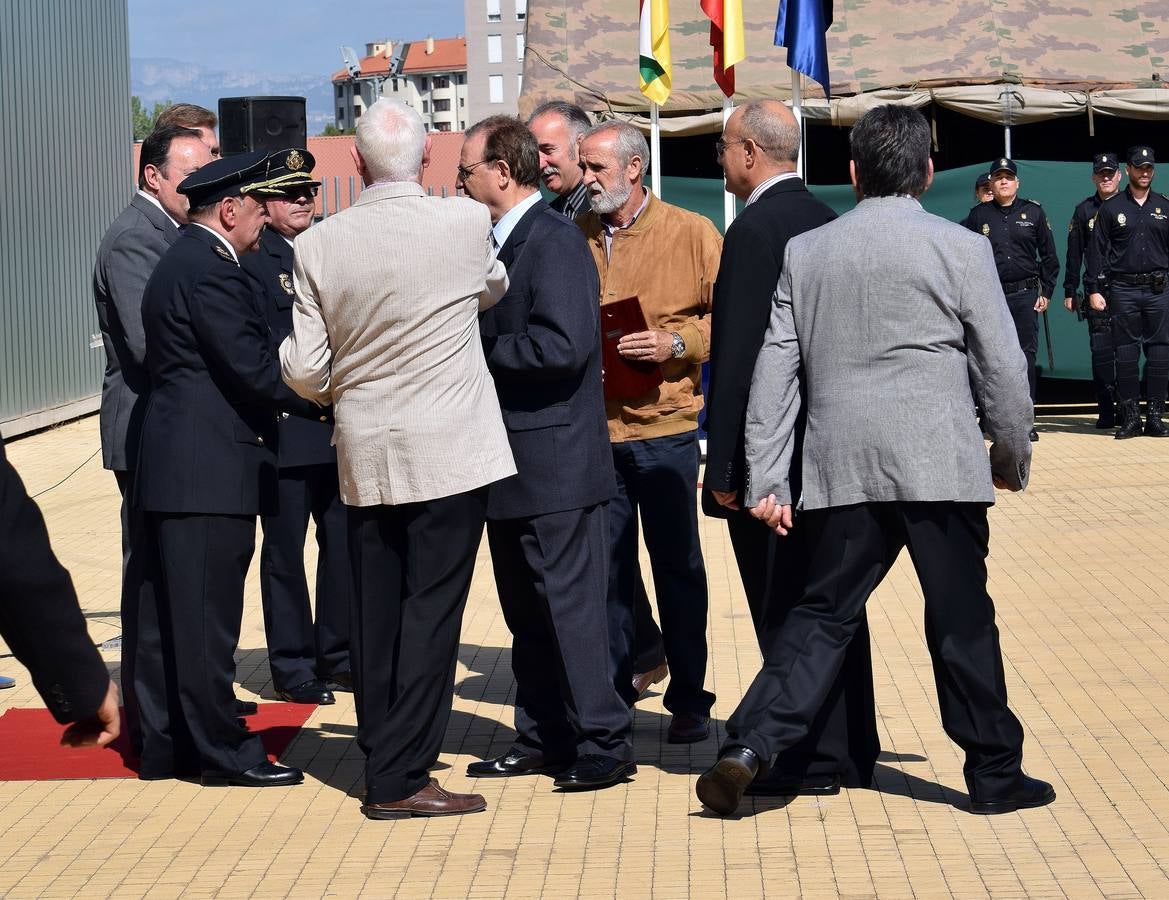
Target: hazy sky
pixel 291 36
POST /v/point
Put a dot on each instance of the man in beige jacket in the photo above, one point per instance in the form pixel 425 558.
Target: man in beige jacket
pixel 385 328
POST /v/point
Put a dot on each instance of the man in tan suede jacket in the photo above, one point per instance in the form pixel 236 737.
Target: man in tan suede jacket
pixel 668 258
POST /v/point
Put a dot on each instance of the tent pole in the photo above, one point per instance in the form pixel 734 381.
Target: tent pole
pixel 1007 142
pixel 798 112
pixel 728 197
pixel 655 151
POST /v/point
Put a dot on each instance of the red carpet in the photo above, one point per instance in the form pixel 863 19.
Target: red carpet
pixel 31 749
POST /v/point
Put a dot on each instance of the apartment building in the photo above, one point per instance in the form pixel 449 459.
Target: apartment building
pixel 429 75
pixel 495 57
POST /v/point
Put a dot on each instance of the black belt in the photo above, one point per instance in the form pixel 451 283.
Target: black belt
pixel 1010 287
pixel 1146 278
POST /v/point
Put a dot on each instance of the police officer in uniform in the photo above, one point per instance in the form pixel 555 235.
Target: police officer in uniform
pixel 303 659
pixel 207 465
pixel 1024 253
pixel 1106 176
pixel 1127 263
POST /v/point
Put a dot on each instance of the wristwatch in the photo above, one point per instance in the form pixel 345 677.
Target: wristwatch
pixel 677 346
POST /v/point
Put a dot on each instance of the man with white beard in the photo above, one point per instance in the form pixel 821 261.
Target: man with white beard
pixel 668 258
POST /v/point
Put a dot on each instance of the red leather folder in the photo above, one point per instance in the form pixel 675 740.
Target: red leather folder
pixel 624 378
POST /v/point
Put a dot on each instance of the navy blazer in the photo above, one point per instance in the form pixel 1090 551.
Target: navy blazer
pixel 543 349
pixel 747 276
pixel 209 436
pixel 302 441
pixel 129 251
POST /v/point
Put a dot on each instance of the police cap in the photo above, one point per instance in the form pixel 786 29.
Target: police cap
pixel 1140 155
pixel 1105 162
pixel 982 180
pixel 231 176
pixel 1002 164
pixel 286 171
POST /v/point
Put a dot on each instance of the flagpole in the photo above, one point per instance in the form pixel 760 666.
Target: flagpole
pixel 798 112
pixel 655 151
pixel 728 197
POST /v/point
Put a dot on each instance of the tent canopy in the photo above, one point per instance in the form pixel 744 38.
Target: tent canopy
pixel 1006 61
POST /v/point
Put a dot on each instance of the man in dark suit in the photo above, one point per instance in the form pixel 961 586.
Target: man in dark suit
pixel 548 524
pixel 208 464
pixel 758 152
pixel 302 658
pixel 128 253
pixel 41 621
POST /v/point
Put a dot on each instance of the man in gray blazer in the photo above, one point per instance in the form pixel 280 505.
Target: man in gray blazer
pixel 129 251
pixel 385 327
pixel 892 313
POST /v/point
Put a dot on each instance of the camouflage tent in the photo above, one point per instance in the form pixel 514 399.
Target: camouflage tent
pixel 1006 61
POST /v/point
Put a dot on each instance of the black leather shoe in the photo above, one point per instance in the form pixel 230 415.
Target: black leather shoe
pixel 245 707
pixel 593 771
pixel 688 728
pixel 721 787
pixel 780 784
pixel 314 691
pixel 341 681
pixel 516 762
pixel 266 774
pixel 1131 426
pixel 1028 793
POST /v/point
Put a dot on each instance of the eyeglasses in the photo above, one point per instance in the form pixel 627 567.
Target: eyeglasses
pixel 720 146
pixel 465 171
pixel 303 195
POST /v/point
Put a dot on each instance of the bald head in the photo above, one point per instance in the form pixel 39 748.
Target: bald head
pixel 760 140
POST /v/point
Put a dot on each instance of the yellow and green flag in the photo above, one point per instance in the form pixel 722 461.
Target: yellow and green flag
pixel 654 50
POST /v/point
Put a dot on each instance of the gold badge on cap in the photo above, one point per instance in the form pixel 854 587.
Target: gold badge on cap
pixel 1003 163
pixel 1144 153
pixel 985 228
pixel 294 161
pixel 1121 219
pixel 286 283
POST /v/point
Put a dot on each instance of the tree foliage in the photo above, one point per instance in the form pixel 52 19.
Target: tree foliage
pixel 142 119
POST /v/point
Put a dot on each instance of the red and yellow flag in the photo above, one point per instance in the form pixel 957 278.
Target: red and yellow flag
pixel 726 37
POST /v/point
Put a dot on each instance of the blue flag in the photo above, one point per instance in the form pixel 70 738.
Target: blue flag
pixel 800 28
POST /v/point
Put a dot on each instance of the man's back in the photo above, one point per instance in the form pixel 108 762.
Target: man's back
pixel 397 278
pixel 886 302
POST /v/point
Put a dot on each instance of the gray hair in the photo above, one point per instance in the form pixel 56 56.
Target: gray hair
pixel 777 138
pixel 391 140
pixel 628 142
pixel 575 119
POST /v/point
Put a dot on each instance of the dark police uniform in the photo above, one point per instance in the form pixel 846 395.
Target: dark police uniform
pixel 207 467
pixel 299 655
pixel 1129 257
pixel 1080 230
pixel 1026 259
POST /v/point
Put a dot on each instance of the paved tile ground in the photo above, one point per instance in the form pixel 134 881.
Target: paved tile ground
pixel 1078 576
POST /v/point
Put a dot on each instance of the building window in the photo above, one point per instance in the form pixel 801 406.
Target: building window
pixel 443 126
pixel 462 125
pixel 493 11
pixel 426 106
pixel 461 78
pixel 519 47
pixel 494 48
pixel 395 85
pixel 424 85
pixel 519 84
pixel 441 82
pixel 521 10
pixel 341 114
pixel 340 91
pixel 462 102
pixel 442 105
pixel 357 112
pixel 495 88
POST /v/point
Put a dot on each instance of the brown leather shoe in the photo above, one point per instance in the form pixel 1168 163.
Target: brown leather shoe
pixel 643 681
pixel 688 728
pixel 430 801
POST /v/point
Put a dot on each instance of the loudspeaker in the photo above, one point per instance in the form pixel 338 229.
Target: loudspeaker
pixel 261 123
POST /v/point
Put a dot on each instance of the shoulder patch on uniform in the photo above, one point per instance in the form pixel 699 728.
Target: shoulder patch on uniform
pixel 222 251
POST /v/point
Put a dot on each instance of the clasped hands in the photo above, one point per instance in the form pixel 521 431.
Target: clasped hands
pixel 776 516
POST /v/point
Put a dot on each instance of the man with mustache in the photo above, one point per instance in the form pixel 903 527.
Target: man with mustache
pixel 668 258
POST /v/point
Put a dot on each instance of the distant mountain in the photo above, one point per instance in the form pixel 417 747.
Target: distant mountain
pixel 169 79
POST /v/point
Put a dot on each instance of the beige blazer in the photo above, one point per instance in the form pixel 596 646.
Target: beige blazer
pixel 386 328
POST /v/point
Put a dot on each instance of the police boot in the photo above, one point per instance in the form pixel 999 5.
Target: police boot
pixel 1130 427
pixel 1154 427
pixel 1106 405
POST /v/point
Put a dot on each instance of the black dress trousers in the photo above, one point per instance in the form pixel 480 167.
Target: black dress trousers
pixel 850 549
pixel 412 568
pixel 552 573
pixel 842 739
pixel 298 649
pixel 204 560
